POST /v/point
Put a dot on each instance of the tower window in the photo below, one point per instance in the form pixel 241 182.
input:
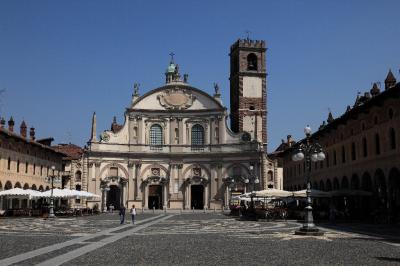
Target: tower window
pixel 251 62
pixel 252 107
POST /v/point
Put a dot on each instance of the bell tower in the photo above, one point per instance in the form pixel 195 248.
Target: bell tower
pixel 248 88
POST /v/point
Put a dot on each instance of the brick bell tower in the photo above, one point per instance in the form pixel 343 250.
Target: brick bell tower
pixel 248 88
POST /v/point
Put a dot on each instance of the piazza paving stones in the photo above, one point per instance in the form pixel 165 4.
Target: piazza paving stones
pixel 184 239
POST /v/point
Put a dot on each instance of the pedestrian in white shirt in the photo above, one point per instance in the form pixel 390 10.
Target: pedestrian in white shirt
pixel 133 213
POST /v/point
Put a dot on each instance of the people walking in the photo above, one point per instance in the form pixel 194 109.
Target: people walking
pixel 122 214
pixel 133 213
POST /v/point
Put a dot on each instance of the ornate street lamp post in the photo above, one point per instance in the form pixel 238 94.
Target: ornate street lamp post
pixel 253 178
pixel 52 178
pixel 311 152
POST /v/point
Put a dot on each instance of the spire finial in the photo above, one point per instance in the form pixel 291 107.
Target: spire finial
pixel 330 116
pixel 172 57
pixel 94 125
pixel 390 80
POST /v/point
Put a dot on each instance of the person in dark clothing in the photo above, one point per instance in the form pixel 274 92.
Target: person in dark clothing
pixel 122 214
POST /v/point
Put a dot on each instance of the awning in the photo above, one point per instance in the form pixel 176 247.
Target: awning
pixel 277 193
pixel 314 194
pixel 350 192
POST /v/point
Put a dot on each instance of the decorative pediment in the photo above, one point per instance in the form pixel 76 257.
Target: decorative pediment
pixel 176 99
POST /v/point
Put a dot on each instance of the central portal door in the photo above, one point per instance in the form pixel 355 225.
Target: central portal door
pixel 197 199
pixel 155 197
pixel 114 197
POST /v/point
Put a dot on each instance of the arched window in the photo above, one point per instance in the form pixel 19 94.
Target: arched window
pixel 353 151
pixel 392 137
pixel 334 158
pixel 197 135
pixel 390 113
pixel 335 184
pixel 251 62
pixel 26 167
pixel 343 155
pixel 18 166
pixel 377 144
pixel 78 176
pixel 365 147
pixel 156 135
pixel 345 183
pixel 8 185
pixel 9 164
pixel 321 185
pixel 327 160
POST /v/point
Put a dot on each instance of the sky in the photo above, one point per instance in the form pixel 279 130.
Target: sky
pixel 62 60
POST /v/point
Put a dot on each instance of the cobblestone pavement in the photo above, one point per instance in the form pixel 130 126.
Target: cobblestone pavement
pixel 188 239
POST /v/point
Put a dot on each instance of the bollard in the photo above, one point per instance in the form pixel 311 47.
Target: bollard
pixel 193 209
pixel 180 211
pixel 142 210
pixel 154 209
pixel 214 209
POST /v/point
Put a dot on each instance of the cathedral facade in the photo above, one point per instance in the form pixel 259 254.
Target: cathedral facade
pixel 175 149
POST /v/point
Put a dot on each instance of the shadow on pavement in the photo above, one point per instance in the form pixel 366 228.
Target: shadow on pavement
pixel 388 259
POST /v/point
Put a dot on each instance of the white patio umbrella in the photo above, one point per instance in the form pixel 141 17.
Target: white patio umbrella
pixel 35 193
pixel 277 193
pixel 83 194
pixel 314 194
pixel 19 193
pixel 57 193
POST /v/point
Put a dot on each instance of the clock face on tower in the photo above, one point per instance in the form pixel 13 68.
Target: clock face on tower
pixel 252 87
